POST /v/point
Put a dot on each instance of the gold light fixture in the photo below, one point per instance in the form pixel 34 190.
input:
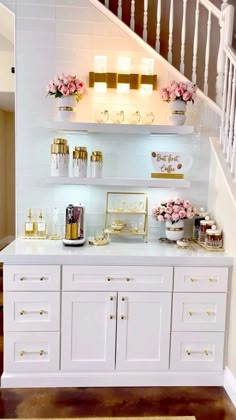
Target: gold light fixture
pixel 123 80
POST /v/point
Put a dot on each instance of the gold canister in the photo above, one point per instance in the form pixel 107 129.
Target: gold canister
pixel 59 145
pixel 80 153
pixel 96 156
pixel 71 231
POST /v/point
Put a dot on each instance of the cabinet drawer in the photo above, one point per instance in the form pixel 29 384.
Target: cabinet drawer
pixel 116 278
pixel 197 351
pixel 31 352
pixel 32 311
pixel 31 277
pixel 201 279
pixel 199 312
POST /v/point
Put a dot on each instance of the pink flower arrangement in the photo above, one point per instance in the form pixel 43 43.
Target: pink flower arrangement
pixel 174 209
pixel 66 84
pixel 185 91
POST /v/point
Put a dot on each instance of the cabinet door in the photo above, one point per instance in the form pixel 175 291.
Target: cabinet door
pixel 88 331
pixel 143 331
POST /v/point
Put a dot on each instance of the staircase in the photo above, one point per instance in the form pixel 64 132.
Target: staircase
pixel 195 36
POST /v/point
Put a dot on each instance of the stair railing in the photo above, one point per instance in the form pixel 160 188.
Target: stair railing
pixel 195 50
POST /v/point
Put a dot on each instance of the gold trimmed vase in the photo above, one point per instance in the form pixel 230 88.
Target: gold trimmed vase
pixel 66 108
pixel 174 231
pixel 177 112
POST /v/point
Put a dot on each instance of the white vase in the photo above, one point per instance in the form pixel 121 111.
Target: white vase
pixel 177 112
pixel 66 108
pixel 174 231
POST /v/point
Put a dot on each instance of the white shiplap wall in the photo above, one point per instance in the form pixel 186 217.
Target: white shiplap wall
pixel 64 36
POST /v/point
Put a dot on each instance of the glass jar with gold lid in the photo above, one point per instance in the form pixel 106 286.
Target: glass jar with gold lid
pixel 214 237
pixel 59 157
pixel 204 225
pixel 96 164
pixel 80 162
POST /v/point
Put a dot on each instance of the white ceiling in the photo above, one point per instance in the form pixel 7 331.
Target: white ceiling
pixel 7 99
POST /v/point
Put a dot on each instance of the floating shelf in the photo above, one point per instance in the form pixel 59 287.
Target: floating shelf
pixel 90 127
pixel 125 182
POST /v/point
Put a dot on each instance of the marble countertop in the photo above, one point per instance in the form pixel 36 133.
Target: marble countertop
pixel 39 251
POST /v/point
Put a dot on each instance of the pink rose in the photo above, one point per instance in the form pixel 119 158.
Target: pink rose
pixel 169 210
pixel 182 214
pixel 178 201
pixel 176 209
pixel 160 218
pixel 71 86
pixel 167 216
pixel 187 96
pixel 187 203
pixel 172 96
pixel 64 90
pixel 175 217
pixel 179 92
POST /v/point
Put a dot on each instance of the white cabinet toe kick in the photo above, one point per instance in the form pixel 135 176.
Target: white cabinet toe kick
pixel 80 325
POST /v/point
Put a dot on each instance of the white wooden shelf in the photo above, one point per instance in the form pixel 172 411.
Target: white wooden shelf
pixel 90 127
pixel 125 182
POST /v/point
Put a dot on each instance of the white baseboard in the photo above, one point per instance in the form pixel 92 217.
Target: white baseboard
pixel 230 385
pixel 6 240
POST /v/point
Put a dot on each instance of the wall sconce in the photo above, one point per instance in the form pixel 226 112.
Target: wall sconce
pixel 123 80
pixel 124 65
pixel 148 79
pixel 100 73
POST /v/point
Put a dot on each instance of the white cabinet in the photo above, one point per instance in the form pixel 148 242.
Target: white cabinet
pixel 199 318
pixel 112 325
pixel 88 331
pixel 143 331
pixel 122 331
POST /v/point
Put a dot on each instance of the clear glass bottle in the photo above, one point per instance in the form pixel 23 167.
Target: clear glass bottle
pixel 29 224
pixel 41 226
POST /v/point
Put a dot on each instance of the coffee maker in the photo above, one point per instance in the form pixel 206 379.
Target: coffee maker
pixel 74 226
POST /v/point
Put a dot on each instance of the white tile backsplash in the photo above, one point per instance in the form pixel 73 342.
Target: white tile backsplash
pixel 63 36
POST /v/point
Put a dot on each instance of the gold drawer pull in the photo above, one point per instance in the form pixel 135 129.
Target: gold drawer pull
pixel 35 278
pixel 212 280
pixel 24 353
pixel 192 279
pixel 40 312
pixel 112 317
pixel 205 351
pixel 209 313
pixel 109 278
pixel 122 317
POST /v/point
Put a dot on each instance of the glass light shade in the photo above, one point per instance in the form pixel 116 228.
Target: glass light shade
pixel 124 65
pixel 123 87
pixel 100 86
pixel 146 89
pixel 147 65
pixel 100 64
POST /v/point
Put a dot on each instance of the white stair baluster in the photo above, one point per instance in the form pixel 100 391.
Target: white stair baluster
pixel 224 4
pixel 220 68
pixel 234 139
pixel 158 28
pixel 207 54
pixel 195 44
pixel 231 146
pixel 170 40
pixel 119 9
pixel 107 3
pixel 132 15
pixel 227 115
pixel 183 37
pixel 222 128
pixel 145 19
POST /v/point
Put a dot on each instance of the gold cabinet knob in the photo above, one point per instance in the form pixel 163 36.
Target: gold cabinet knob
pixel 21 278
pixel 108 278
pixel 123 299
pixel 41 278
pixel 127 278
pixel 22 353
pixel 22 312
pixel 112 317
pixel 41 352
pixel 122 317
pixel 41 312
pixel 111 298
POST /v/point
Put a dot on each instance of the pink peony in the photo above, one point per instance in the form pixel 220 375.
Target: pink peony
pixel 175 217
pixel 182 214
pixel 167 216
pixel 186 96
pixel 160 218
pixel 185 91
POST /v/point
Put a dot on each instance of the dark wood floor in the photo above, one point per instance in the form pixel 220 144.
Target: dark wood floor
pixel 205 403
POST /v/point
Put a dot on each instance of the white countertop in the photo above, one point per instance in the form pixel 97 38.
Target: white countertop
pixel 39 251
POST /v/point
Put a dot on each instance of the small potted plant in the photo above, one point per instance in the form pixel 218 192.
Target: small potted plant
pixel 177 94
pixel 173 211
pixel 68 90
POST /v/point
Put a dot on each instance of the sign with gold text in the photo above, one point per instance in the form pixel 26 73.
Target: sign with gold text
pixel 170 164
